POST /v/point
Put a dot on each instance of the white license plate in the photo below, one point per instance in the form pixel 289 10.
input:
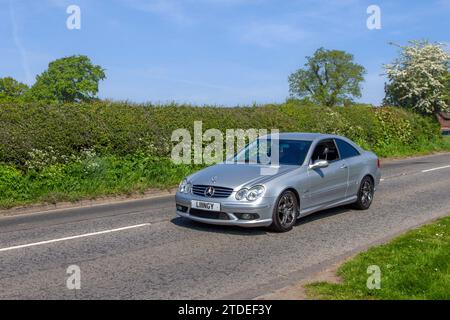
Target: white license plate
pixel 202 205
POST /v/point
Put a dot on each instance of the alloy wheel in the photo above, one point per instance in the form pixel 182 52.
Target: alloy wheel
pixel 287 209
pixel 366 193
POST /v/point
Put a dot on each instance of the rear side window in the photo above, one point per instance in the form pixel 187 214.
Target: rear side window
pixel 326 150
pixel 346 150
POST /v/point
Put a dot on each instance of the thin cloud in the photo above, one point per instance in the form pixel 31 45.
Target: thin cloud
pixel 18 43
pixel 178 10
pixel 163 74
pixel 59 3
pixel 444 3
pixel 272 34
pixel 229 2
pixel 170 9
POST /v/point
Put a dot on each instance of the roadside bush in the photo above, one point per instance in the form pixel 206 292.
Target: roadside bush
pixel 11 184
pixel 387 131
pixel 115 128
pixel 34 136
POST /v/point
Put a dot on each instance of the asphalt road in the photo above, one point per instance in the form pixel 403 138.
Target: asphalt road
pixel 140 250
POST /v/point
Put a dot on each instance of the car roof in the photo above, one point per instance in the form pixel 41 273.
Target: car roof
pixel 300 136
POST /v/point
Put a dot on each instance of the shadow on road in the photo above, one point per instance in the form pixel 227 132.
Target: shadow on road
pixel 198 226
pixel 324 214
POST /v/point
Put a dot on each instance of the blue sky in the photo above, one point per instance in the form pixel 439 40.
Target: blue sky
pixel 223 52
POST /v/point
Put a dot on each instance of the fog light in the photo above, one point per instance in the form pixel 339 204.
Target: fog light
pixel 181 208
pixel 246 216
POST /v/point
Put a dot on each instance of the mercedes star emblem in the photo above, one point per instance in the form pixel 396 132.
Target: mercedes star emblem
pixel 209 192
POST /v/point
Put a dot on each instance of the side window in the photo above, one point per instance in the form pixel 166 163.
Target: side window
pixel 326 150
pixel 346 150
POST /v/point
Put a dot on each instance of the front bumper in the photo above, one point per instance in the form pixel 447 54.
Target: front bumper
pixel 262 207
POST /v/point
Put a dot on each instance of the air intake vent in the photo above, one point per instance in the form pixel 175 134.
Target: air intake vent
pixel 209 214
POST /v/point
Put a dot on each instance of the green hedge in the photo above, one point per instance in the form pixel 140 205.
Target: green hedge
pixel 58 133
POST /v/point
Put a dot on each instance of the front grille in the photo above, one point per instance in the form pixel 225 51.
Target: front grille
pixel 209 214
pixel 219 192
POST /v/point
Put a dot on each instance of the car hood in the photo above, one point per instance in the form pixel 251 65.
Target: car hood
pixel 237 175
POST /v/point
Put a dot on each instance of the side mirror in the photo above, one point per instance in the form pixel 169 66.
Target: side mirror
pixel 319 164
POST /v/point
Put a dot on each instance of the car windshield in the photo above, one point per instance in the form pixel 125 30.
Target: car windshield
pixel 290 152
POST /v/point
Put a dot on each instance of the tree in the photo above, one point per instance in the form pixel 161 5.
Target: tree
pixel 11 89
pixel 70 79
pixel 330 78
pixel 419 78
pixel 447 91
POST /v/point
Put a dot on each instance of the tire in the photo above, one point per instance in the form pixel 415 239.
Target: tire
pixel 285 212
pixel 365 194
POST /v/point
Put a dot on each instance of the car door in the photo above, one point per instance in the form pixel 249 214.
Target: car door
pixel 327 185
pixel 355 165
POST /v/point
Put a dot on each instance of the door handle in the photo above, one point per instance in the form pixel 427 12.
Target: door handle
pixel 344 166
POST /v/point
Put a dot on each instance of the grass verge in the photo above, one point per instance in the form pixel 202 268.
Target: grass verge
pixel 415 265
pixel 447 140
pixel 418 148
pixel 88 179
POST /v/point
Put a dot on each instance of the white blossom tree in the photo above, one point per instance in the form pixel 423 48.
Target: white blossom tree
pixel 418 79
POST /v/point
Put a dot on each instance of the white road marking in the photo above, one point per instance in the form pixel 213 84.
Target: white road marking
pixel 434 169
pixel 423 171
pixel 73 237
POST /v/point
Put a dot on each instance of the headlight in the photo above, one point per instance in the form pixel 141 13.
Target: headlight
pixel 255 193
pixel 251 194
pixel 185 186
pixel 241 194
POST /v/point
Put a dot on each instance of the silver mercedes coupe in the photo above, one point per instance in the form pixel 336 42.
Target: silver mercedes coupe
pixel 305 173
